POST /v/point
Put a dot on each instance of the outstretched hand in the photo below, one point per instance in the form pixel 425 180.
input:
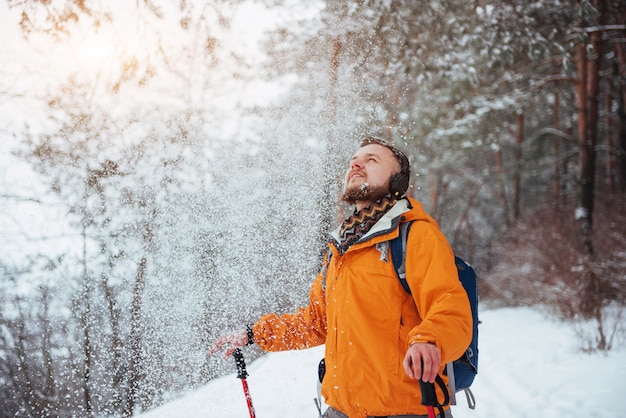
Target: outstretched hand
pixel 422 362
pixel 229 343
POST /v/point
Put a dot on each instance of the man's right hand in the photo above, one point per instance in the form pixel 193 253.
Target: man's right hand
pixel 422 361
pixel 229 343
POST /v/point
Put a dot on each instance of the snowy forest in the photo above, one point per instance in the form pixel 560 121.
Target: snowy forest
pixel 169 170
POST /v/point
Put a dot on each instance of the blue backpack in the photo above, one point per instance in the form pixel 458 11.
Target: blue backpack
pixel 462 371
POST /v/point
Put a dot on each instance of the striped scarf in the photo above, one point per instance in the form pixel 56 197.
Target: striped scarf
pixel 359 223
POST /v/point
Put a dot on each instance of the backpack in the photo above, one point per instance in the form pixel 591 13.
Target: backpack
pixel 462 371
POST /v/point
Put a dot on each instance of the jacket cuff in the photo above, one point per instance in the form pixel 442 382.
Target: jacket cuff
pixel 250 335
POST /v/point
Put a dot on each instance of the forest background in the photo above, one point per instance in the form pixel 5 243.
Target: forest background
pixel 170 170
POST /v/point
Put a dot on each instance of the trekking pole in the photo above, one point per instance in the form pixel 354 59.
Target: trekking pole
pixel 242 374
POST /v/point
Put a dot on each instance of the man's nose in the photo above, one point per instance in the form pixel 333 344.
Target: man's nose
pixel 356 163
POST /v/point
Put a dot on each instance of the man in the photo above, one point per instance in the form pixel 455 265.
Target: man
pixel 379 339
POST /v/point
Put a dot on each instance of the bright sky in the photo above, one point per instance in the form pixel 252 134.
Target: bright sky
pixel 129 42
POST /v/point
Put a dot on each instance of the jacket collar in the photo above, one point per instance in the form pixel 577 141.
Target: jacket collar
pixel 386 224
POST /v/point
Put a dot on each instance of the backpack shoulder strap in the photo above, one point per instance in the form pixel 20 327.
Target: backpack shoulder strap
pixel 398 253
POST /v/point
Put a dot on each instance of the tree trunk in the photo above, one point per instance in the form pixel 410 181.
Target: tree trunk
pixel 116 340
pixel 502 186
pixel 585 185
pixel 610 143
pixel 517 181
pixel 463 224
pixel 587 91
pixel 556 168
pixel 85 322
pixel 87 360
pixel 620 97
pixel 135 341
pixel 25 382
pixel 49 392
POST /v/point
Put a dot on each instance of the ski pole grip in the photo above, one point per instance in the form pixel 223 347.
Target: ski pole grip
pixel 241 364
pixel 429 396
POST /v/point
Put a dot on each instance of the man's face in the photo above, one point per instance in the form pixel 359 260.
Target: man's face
pixel 367 179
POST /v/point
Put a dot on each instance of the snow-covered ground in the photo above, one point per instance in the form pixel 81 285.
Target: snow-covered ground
pixel 529 366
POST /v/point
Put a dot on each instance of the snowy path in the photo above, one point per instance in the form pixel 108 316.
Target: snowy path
pixel 529 366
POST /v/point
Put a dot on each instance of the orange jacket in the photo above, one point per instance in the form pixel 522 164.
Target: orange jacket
pixel 358 308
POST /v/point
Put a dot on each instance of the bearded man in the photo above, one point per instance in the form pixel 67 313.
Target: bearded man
pixel 379 339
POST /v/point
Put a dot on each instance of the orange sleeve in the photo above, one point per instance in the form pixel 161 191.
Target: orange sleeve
pixel 439 295
pixel 303 329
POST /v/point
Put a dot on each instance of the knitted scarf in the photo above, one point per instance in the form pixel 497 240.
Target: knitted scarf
pixel 360 222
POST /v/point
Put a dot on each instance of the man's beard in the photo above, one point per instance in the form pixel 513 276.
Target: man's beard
pixel 364 193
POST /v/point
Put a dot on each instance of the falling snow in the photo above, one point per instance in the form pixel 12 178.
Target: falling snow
pixel 160 185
